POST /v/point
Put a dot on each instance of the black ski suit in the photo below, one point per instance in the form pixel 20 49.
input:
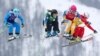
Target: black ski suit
pixel 52 24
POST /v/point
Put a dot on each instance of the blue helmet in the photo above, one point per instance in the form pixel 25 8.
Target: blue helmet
pixel 16 11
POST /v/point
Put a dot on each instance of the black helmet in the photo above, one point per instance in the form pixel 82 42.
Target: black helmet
pixel 54 11
pixel 49 10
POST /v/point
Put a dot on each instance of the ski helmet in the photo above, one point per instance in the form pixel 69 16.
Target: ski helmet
pixel 16 11
pixel 73 8
pixel 54 11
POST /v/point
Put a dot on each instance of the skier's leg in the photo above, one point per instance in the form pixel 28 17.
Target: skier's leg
pixel 17 29
pixel 55 28
pixel 68 26
pixel 48 33
pixel 76 32
pixel 49 26
pixel 54 31
pixel 17 26
pixel 10 29
pixel 73 26
pixel 81 32
pixel 11 37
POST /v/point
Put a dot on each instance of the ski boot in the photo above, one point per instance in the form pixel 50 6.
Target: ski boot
pixel 68 36
pixel 48 34
pixel 75 40
pixel 54 33
pixel 17 36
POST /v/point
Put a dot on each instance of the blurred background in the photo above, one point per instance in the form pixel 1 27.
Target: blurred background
pixel 33 12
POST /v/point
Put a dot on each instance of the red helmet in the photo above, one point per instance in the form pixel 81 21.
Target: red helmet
pixel 73 8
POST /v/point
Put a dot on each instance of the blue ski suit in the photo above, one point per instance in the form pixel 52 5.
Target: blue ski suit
pixel 9 19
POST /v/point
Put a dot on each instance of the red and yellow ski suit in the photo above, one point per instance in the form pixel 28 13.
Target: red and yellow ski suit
pixel 71 22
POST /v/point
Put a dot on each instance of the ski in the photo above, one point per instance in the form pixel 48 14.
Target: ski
pixel 70 44
pixel 69 38
pixel 11 39
pixel 88 39
pixel 24 36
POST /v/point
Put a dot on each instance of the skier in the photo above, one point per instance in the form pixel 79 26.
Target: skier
pixel 9 20
pixel 79 28
pixel 51 22
pixel 68 20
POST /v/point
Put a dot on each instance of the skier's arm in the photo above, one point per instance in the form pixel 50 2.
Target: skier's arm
pixel 87 24
pixel 90 27
pixel 45 21
pixel 64 15
pixel 22 19
pixel 6 17
pixel 46 18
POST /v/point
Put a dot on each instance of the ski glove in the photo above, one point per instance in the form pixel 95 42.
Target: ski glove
pixel 7 24
pixel 45 29
pixel 88 22
pixel 58 31
pixel 95 31
pixel 63 22
pixel 22 25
